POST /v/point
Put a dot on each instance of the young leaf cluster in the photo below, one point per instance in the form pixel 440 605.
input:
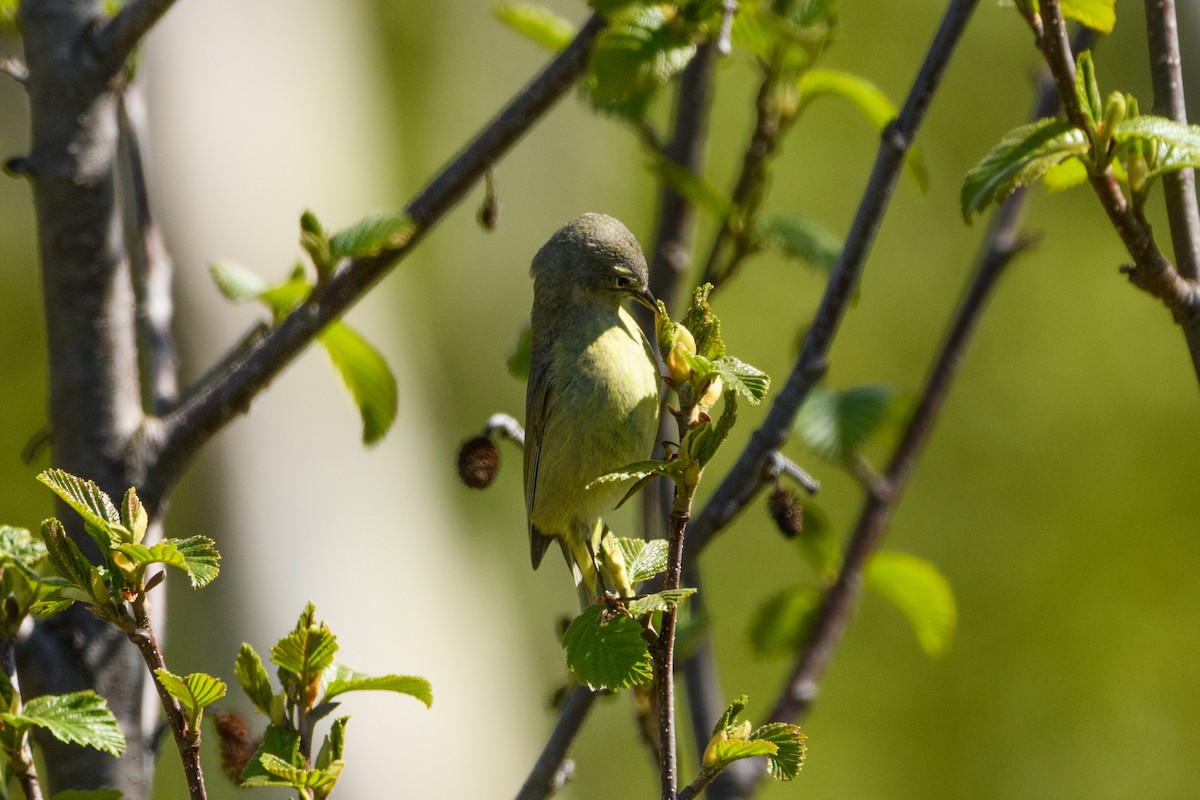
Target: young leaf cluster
pixel 781 743
pixel 362 368
pixel 109 588
pixel 310 678
pixel 1115 138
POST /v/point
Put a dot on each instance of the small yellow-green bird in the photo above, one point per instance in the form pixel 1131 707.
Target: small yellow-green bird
pixel 593 398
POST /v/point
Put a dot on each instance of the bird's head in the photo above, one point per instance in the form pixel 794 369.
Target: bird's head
pixel 593 258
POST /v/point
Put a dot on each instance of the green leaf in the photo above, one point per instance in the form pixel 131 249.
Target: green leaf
pixel 1100 15
pixel 607 654
pixel 194 692
pixel 522 356
pixel 79 718
pixel 693 188
pixel 1087 91
pixel 250 673
pixel 134 516
pixel 749 382
pixel 835 425
pixel 334 746
pixel 704 325
pixel 866 97
pixel 341 679
pixel 636 471
pixel 100 517
pixel 200 557
pixel 65 554
pixel 536 23
pixel 306 652
pixel 920 592
pixel 1065 175
pixel 316 243
pixel 726 751
pixel 1173 145
pixel 372 235
pixel 1021 158
pixel 636 54
pixel 367 376
pixel 19 549
pixel 783 623
pixel 278 743
pixel 282 298
pixel 704 440
pixel 659 601
pixel 732 711
pixel 801 238
pixel 649 560
pixel 297 777
pixel 784 764
pixel 236 282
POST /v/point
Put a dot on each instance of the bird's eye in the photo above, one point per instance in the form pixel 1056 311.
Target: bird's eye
pixel 623 281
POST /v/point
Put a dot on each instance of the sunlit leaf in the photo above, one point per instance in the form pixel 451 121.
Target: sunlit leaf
pixel 372 235
pixel 649 560
pixel 635 55
pixel 659 601
pixel 341 679
pixel 250 673
pixel 100 516
pixel 367 376
pixel 920 592
pixel 784 764
pixel 607 654
pixel 79 718
pixel 537 23
pixel 1021 158
pixel 195 692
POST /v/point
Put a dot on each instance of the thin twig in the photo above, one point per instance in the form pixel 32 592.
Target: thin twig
pixel 223 396
pixel 1179 188
pixel 543 780
pixel 1150 270
pixel 114 41
pixel 746 478
pixel 153 269
pixel 187 740
pixel 664 666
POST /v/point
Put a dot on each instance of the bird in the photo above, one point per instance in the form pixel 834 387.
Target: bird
pixel 592 401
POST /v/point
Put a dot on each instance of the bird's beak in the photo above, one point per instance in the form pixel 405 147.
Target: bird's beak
pixel 645 298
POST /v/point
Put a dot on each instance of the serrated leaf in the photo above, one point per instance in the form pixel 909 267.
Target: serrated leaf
pixel 635 471
pixel 195 692
pixel 253 678
pixel 801 238
pixel 636 54
pixel 134 516
pixel 920 592
pixel 659 601
pixel 334 746
pixel 731 713
pixel 875 106
pixel 65 554
pixel 785 763
pixel 704 325
pixel 1099 15
pixel 278 743
pixel 649 560
pixel 749 382
pixel 1173 145
pixel 341 679
pixel 236 282
pixel 100 517
pixel 305 652
pixel 784 621
pixel 726 751
pixel 704 440
pixel 835 425
pixel 521 357
pixel 693 188
pixel 607 655
pixel 537 23
pixel 201 558
pixel 1020 158
pixel 79 718
pixel 367 375
pixel 372 235
pixel 20 550
pixel 1087 91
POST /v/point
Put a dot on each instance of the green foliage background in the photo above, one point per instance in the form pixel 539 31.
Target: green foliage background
pixel 1058 491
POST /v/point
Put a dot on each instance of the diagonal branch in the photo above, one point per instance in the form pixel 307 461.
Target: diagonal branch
pixel 114 41
pixel 745 478
pixel 222 396
pixel 546 776
pixel 1179 188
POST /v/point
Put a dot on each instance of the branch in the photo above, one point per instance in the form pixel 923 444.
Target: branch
pixel 1150 271
pixel 1002 243
pixel 14 69
pixel 545 777
pixel 744 480
pixel 153 269
pixel 115 40
pixel 214 403
pixel 1179 188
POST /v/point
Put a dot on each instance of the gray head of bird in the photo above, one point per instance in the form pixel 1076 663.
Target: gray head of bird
pixel 591 259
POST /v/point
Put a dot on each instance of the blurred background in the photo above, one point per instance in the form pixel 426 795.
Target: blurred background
pixel 1057 493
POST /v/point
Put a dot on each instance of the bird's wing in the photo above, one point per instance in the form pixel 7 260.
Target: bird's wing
pixel 537 405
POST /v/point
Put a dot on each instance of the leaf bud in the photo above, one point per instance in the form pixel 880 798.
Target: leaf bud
pixel 478 462
pixel 1114 113
pixel 787 512
pixel 677 363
